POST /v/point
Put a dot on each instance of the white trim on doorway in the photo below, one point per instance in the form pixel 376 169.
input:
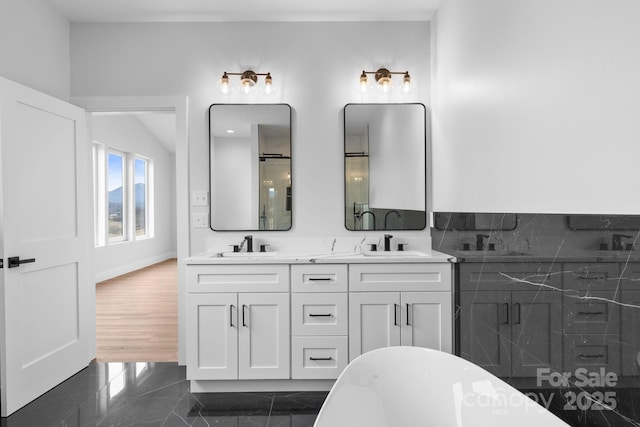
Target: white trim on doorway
pixel 178 105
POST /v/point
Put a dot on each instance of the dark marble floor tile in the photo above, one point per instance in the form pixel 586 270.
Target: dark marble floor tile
pixel 157 394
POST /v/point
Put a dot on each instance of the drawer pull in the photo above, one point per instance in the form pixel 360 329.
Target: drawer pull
pixel 409 307
pixel 517 322
pixel 590 356
pixel 319 315
pixel 395 314
pixel 231 315
pixel 320 358
pixel 590 313
pixel 244 323
pixel 598 277
pixel 319 279
pixel 505 306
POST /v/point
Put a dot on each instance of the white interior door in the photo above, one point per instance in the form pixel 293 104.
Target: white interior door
pixel 47 294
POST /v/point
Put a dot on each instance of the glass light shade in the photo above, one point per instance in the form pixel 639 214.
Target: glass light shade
pixel 406 83
pixel 268 84
pixel 247 85
pixel 223 84
pixel 363 82
pixel 385 84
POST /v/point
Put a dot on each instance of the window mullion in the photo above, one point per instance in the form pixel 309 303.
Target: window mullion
pixel 131 204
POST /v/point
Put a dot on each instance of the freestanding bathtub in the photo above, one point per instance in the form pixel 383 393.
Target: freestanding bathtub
pixel 413 386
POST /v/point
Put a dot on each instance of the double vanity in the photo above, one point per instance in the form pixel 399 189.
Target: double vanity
pixel 279 322
pixel 291 313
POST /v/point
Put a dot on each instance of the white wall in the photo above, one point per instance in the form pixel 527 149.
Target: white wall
pixel 126 133
pixel 315 65
pixel 34 46
pixel 536 106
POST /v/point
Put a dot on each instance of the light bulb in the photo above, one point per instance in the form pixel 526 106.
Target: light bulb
pixel 385 84
pixel 406 83
pixel 247 84
pixel 223 84
pixel 268 84
pixel 363 82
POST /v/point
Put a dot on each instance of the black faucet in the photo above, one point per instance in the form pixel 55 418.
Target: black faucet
pixel 480 241
pixel 387 216
pixel 387 242
pixel 616 241
pixel 249 240
pixel 372 214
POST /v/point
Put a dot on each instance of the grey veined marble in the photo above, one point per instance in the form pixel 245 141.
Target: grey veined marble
pixel 157 394
pixel 551 303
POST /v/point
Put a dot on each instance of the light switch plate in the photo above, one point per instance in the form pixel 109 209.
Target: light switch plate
pixel 200 220
pixel 200 198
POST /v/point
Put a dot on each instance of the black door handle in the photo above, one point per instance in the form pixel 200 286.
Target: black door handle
pixel 15 261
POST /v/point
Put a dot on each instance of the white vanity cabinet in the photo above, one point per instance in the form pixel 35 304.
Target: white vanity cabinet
pixel 294 326
pixel 238 335
pixel 399 304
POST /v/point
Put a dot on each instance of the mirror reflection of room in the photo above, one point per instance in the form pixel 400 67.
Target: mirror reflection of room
pixel 385 172
pixel 250 159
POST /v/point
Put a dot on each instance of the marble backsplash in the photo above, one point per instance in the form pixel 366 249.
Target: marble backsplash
pixel 542 233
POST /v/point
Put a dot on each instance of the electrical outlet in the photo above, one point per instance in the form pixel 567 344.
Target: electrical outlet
pixel 200 220
pixel 199 198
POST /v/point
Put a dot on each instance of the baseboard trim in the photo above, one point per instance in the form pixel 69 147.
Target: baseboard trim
pixel 124 269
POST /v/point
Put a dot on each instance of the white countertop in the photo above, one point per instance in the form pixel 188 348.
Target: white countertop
pixel 364 257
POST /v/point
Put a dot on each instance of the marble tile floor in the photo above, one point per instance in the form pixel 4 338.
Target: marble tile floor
pixel 155 395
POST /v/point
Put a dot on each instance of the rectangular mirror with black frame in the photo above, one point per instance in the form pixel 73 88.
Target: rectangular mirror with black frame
pixel 385 166
pixel 250 167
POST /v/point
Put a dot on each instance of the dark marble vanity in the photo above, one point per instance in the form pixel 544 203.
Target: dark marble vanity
pixel 544 302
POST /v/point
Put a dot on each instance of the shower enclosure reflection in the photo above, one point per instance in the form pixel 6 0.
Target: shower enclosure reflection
pixel 385 166
pixel 250 167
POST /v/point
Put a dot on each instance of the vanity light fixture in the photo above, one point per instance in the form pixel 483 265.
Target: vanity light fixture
pixel 383 78
pixel 248 81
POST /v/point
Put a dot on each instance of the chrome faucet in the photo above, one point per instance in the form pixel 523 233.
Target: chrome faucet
pixel 480 241
pixel 372 214
pixel 387 242
pixel 616 241
pixel 387 216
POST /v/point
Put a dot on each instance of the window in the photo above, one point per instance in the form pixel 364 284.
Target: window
pixel 123 195
pixel 116 197
pixel 140 193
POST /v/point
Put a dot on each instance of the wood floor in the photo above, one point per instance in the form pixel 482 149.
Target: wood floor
pixel 137 316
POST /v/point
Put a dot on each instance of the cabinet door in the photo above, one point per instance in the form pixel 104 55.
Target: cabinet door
pixel 426 320
pixel 263 333
pixel 374 321
pixel 485 333
pixel 212 336
pixel 630 339
pixel 536 332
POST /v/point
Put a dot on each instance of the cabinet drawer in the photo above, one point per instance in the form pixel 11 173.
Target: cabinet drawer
pixel 630 275
pixel 592 352
pixel 319 278
pixel 319 314
pixel 238 278
pixel 588 277
pixel 592 316
pixel 525 276
pixel 400 277
pixel 318 357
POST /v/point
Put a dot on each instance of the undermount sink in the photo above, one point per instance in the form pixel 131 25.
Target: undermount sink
pixel 245 254
pixel 394 253
pixel 496 253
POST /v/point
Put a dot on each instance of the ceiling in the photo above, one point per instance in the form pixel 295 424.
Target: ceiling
pixel 246 10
